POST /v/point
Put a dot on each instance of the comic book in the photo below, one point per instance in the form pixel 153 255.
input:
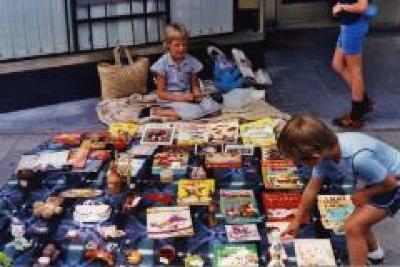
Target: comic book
pixel 281 207
pixel 334 210
pixel 235 255
pixel 165 222
pixel 239 206
pixel 258 133
pixel 242 232
pixel 223 132
pixel 195 192
pixel 314 252
pixel 189 134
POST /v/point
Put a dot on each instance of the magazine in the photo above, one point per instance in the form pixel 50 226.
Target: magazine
pixel 195 192
pixel 235 255
pixel 165 222
pixel 334 210
pixel 314 252
pixel 242 232
pixel 239 206
pixel 158 134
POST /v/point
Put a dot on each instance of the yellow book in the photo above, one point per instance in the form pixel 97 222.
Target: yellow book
pixel 117 129
pixel 258 133
pixel 195 192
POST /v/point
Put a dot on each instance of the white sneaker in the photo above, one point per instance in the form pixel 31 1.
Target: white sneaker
pixel 376 256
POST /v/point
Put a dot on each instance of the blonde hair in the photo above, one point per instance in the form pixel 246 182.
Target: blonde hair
pixel 304 136
pixel 175 32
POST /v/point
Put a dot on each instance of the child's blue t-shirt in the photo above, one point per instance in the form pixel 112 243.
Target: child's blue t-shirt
pixel 177 74
pixel 363 158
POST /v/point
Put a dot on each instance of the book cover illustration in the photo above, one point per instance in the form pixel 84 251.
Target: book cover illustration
pixel 203 149
pixel 68 139
pixel 195 192
pixel 165 222
pixel 280 176
pixel 223 132
pixel 223 160
pixel 189 134
pixel 242 232
pixel 142 150
pixel 239 206
pixel 44 161
pixel 334 210
pixel 314 252
pixel 158 134
pixel 173 158
pixel 123 129
pixel 258 133
pixel 247 150
pixel 280 207
pixel 235 255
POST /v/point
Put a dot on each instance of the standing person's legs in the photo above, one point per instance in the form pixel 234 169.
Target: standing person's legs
pixel 357 230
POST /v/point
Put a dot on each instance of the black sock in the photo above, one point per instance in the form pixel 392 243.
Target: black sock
pixel 357 109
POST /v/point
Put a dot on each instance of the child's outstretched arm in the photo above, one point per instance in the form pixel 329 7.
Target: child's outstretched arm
pixel 307 200
pixel 165 95
pixel 362 196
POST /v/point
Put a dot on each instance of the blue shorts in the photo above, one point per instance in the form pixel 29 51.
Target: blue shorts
pixel 351 36
pixel 389 201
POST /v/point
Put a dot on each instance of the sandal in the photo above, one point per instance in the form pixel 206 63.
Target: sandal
pixel 348 121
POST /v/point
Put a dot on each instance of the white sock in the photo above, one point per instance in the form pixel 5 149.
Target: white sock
pixel 376 254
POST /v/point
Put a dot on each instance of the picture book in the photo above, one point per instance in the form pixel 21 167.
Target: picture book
pixel 242 232
pixel 235 255
pixel 239 206
pixel 158 134
pixel 189 134
pixel 223 132
pixel 195 192
pixel 125 129
pixel 280 207
pixel 314 252
pixel 258 133
pixel 203 149
pixel 280 175
pixel 275 227
pixel 240 149
pixel 165 222
pixel 334 210
pixel 223 160
pixel 173 158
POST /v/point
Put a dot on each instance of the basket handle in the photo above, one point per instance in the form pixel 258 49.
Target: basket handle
pixel 117 55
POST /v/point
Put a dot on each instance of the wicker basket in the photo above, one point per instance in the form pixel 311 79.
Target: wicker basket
pixel 123 80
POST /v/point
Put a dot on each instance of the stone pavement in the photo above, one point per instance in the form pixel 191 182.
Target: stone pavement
pixel 299 63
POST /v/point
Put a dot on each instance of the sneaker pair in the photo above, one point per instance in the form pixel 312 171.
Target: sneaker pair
pixel 376 257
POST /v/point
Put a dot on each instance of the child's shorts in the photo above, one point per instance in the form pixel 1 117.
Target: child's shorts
pixel 351 36
pixel 389 201
pixel 191 111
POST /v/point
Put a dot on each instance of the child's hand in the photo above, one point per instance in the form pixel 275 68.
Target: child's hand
pixel 197 96
pixel 337 9
pixel 291 230
pixel 359 199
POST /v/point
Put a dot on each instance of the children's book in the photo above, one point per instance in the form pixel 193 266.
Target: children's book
pixel 223 160
pixel 280 175
pixel 189 134
pixel 142 150
pixel 44 161
pixel 242 232
pixel 239 206
pixel 235 255
pixel 158 134
pixel 281 207
pixel 223 132
pixel 125 129
pixel 165 222
pixel 258 133
pixel 173 158
pixel 334 210
pixel 195 192
pixel 247 150
pixel 203 149
pixel 275 227
pixel 314 252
